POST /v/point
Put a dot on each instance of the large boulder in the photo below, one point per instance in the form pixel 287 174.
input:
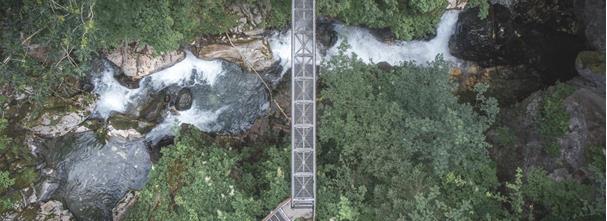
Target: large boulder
pixel 526 137
pixel 93 174
pixel 591 65
pixel 137 62
pixel 252 54
pixel 591 13
pixel 61 116
pixel 184 99
pixel 539 34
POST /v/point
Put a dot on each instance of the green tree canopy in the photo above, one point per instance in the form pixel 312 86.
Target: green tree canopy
pixel 198 180
pixel 390 140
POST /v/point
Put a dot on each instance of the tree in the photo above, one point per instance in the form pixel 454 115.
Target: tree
pixel 198 180
pixel 391 138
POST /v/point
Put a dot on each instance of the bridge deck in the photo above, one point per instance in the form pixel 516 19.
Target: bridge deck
pixel 303 104
pixel 303 114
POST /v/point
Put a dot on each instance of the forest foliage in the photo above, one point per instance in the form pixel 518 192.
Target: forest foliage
pixel 399 141
pixel 46 43
pixel 198 180
pixel 393 144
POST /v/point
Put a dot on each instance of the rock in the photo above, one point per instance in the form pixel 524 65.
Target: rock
pixel 251 16
pixel 184 99
pixel 527 148
pixel 154 107
pixel 52 125
pixel 591 13
pixel 457 4
pixel 385 66
pixel 485 41
pixel 53 211
pixel 126 126
pixel 126 81
pixel 586 126
pixel 120 210
pixel 539 34
pixel 254 53
pixel 57 120
pixel 93 174
pixel 508 84
pixel 383 34
pixel 591 65
pixel 326 36
pixel 137 62
pixel 242 92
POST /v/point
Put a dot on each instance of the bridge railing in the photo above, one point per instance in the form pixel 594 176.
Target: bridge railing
pixel 303 105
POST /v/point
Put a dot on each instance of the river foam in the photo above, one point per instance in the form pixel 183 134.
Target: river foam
pixel 203 76
pixel 224 97
pixel 371 50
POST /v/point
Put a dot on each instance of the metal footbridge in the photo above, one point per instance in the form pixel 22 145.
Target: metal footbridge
pixel 303 114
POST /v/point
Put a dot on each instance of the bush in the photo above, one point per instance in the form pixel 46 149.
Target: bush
pixel 391 139
pixel 5 181
pixel 407 19
pixel 198 180
pixel 412 19
pixel 563 200
pixel 554 119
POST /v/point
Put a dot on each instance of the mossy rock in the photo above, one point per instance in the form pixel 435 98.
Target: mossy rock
pixel 592 60
pixel 8 200
pixel 125 122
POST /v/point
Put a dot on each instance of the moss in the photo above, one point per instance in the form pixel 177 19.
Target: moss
pixel 554 119
pixel 505 136
pixel 593 60
pixel 7 201
pixel 5 181
pixel 124 122
pixel 26 177
pixel 595 157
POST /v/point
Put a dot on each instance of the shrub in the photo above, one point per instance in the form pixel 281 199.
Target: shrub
pixel 387 137
pixel 554 119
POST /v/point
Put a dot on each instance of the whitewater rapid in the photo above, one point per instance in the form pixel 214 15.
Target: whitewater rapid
pixel 193 72
pixel 369 49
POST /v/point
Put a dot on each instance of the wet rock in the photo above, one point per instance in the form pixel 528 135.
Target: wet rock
pixel 243 93
pixel 483 40
pixel 508 84
pixel 272 74
pixel 126 81
pixel 383 34
pixel 254 53
pixel 591 13
pixel 122 122
pixel 538 34
pixel 184 99
pixel 591 65
pixel 325 34
pixel 137 62
pixel 95 175
pixel 154 107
